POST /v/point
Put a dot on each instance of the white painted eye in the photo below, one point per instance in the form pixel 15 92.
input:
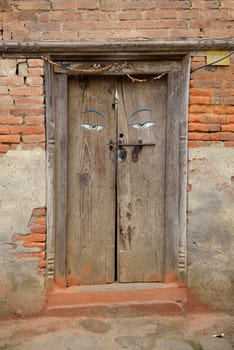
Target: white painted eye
pixel 93 127
pixel 143 124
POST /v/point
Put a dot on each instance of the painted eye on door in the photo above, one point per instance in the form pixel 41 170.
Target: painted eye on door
pixel 142 123
pixel 94 125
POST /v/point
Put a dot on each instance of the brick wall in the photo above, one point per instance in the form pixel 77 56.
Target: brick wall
pixel 34 238
pixel 211 105
pixel 110 19
pixel 22 115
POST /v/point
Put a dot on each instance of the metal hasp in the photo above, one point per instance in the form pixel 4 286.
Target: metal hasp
pixel 137 147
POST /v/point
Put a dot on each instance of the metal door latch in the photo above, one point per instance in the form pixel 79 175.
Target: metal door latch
pixel 137 147
pixel 122 153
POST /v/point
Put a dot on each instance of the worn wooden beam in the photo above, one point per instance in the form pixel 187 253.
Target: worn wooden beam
pixel 60 178
pixel 118 68
pixel 116 47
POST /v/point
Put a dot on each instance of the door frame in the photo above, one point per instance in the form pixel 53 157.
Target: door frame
pixel 178 71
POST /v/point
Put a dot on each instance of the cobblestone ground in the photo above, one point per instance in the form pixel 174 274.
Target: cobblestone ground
pixel 188 332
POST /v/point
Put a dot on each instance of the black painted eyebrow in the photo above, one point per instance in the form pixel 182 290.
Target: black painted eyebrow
pixel 140 110
pixel 94 111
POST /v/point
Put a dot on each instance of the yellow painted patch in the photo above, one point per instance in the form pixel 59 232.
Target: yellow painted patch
pixel 212 56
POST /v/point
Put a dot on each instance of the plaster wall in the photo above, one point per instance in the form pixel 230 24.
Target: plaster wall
pixel 211 225
pixel 22 183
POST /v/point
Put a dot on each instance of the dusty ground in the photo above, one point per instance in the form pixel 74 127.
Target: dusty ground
pixel 68 333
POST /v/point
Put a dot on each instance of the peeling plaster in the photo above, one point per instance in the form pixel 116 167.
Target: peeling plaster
pixel 22 188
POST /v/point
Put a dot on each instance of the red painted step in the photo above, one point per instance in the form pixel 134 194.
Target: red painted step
pixel 118 299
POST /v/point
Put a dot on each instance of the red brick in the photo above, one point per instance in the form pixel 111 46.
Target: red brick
pixel 35 129
pixel 198 136
pixel 204 127
pixel 33 5
pixel 32 146
pixel 201 100
pixel 185 5
pixel 200 108
pixel 208 119
pixel 42 264
pixel 39 212
pixel 14 130
pixel 230 119
pixel 38 220
pixel 35 62
pixel 35 71
pixel 11 120
pixel 31 100
pixel 38 229
pixel 4 148
pixel 201 59
pixel 26 91
pixel 42 27
pixel 214 136
pixel 35 120
pixel 3 90
pixel 13 80
pixel 227 136
pixel 34 244
pixel 167 14
pixel 228 100
pixel 27 111
pixel 36 237
pixel 200 143
pixel 63 5
pixel 34 80
pixel 40 255
pixel 228 127
pixel 223 109
pixel 6 100
pixel 33 138
pixel 4 130
pixel 200 92
pixel 10 138
pixel 229 144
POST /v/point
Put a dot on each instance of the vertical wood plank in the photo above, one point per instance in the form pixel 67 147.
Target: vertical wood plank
pixel 172 174
pixel 183 150
pixel 50 236
pixel 141 184
pixel 61 177
pixel 91 181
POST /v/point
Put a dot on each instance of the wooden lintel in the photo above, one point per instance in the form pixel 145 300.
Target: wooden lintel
pixel 115 47
pixel 118 68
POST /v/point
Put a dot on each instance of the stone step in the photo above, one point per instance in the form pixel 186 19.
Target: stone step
pixel 116 299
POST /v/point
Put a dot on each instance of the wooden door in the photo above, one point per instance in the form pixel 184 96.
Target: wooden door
pixel 141 180
pixel 91 182
pixel 115 220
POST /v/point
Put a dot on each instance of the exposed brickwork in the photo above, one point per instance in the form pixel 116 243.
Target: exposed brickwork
pixel 110 19
pixel 211 104
pixel 22 114
pixel 34 238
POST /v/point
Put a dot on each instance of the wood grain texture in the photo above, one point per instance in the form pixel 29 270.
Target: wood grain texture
pixel 120 68
pixel 141 184
pixel 61 176
pixel 91 183
pixel 172 171
pixel 50 220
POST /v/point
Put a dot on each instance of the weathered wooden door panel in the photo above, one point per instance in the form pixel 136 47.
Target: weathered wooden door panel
pixel 91 182
pixel 132 176
pixel 141 180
